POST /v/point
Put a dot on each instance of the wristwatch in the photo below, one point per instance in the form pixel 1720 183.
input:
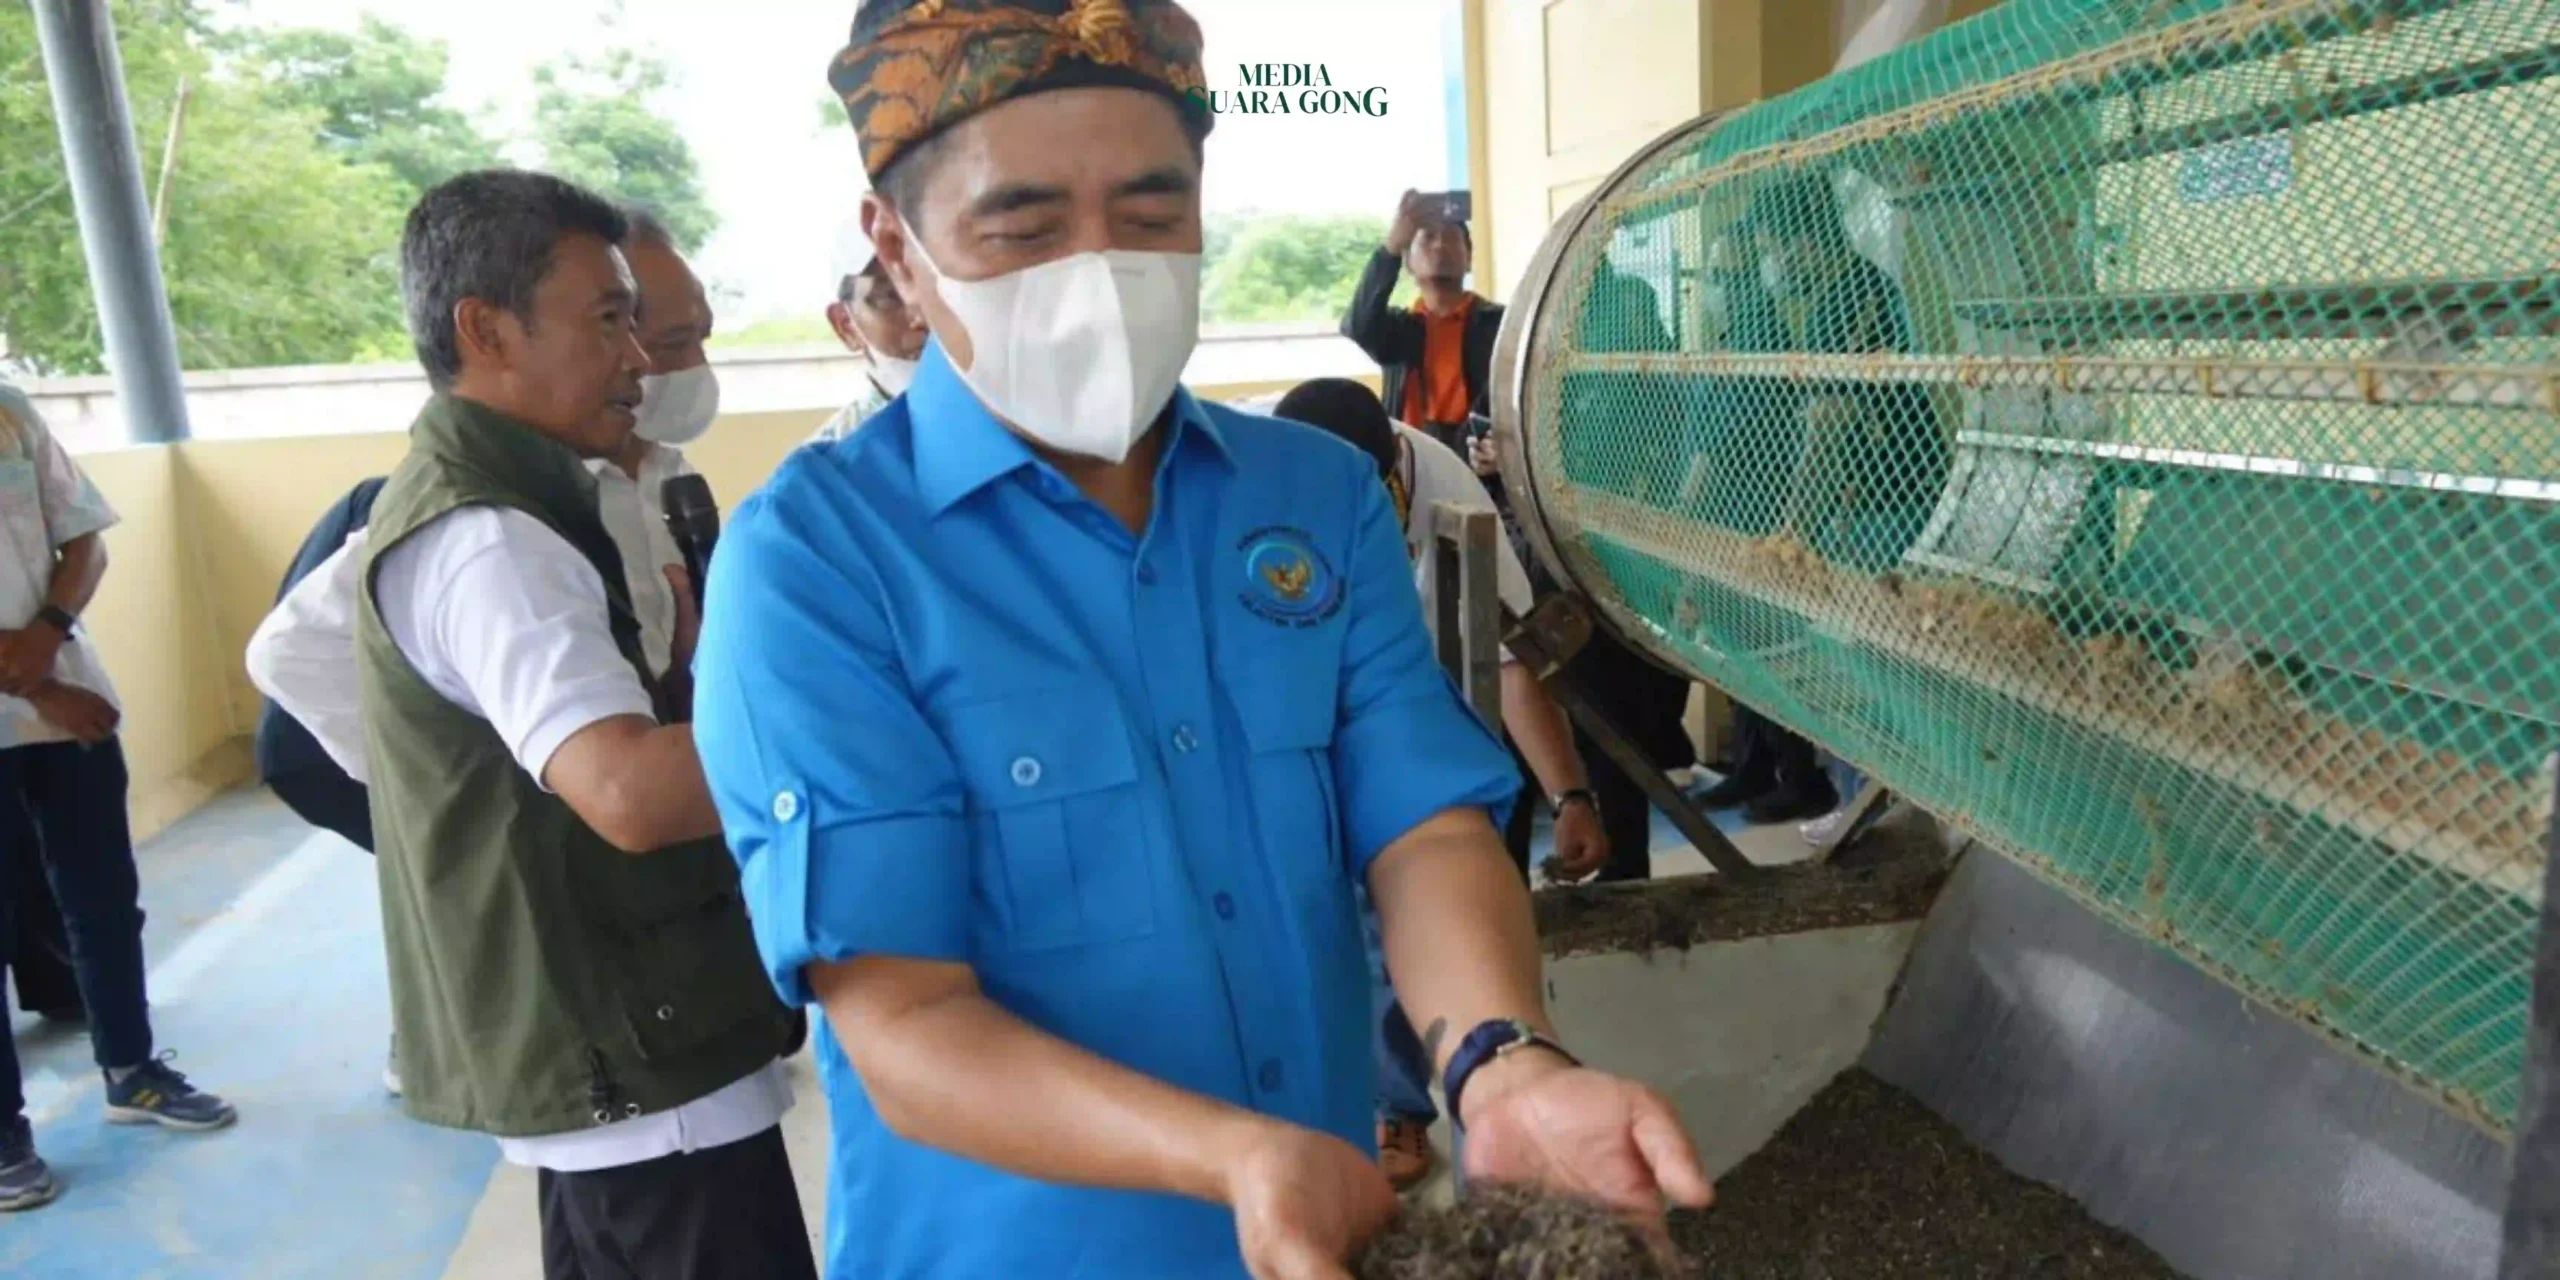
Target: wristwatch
pixel 1491 1042
pixel 1582 794
pixel 58 618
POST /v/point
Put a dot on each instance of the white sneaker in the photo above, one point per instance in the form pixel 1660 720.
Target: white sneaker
pixel 1827 828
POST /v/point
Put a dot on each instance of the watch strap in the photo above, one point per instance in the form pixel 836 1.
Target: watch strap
pixel 59 618
pixel 1490 1042
pixel 1584 794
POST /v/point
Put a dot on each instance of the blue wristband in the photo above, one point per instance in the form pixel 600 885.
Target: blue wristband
pixel 1487 1043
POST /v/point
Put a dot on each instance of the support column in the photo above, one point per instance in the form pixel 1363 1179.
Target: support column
pixel 2533 1192
pixel 105 167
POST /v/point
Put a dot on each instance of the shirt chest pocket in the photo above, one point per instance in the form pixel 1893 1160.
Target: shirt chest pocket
pixel 1057 819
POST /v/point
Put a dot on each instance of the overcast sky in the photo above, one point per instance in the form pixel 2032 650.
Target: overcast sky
pixel 750 76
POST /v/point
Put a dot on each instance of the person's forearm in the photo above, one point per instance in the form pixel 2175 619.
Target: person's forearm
pixel 1461 941
pixel 1369 322
pixel 78 568
pixel 959 1073
pixel 1542 730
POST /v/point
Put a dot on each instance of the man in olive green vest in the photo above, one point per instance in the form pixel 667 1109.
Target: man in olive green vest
pixel 572 970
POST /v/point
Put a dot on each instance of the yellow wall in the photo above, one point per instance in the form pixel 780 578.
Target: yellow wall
pixel 153 621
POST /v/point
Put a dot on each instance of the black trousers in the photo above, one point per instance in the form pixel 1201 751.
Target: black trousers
pixel 729 1213
pixel 1625 814
pixel 41 960
pixel 1770 754
pixel 329 800
pixel 69 800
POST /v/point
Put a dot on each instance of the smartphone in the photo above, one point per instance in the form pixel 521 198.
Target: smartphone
pixel 1478 426
pixel 1452 206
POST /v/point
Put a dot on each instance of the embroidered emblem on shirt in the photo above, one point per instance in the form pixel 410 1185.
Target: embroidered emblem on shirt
pixel 1287 581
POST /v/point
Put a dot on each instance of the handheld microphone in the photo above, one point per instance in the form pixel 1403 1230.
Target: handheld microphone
pixel 693 520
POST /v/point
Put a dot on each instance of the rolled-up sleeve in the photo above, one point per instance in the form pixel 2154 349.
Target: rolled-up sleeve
pixel 840 802
pixel 72 506
pixel 1406 747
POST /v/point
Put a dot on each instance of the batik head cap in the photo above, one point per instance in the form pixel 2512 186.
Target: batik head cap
pixel 917 67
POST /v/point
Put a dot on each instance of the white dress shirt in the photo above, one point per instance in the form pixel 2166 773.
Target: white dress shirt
pixel 635 513
pixel 506 620
pixel 45 501
pixel 1435 474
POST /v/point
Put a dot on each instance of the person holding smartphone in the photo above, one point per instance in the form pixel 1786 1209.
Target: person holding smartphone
pixel 1436 357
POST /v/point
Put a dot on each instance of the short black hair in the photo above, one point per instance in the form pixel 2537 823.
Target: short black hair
pixel 1350 410
pixel 904 181
pixel 488 235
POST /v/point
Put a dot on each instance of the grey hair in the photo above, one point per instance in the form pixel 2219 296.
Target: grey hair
pixel 647 229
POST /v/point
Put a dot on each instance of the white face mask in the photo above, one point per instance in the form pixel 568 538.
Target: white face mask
pixel 1079 354
pixel 676 408
pixel 892 374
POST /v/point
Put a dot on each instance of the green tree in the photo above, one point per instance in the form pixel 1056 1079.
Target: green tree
pixel 1287 267
pixel 378 92
pixel 277 251
pixel 597 128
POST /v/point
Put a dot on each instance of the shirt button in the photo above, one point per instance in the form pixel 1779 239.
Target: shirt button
pixel 1271 1077
pixel 1184 740
pixel 1226 906
pixel 1146 575
pixel 786 806
pixel 1026 772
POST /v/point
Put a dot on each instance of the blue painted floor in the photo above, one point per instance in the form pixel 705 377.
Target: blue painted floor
pixel 265 946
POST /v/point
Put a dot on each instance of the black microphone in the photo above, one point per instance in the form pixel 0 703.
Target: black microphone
pixel 693 520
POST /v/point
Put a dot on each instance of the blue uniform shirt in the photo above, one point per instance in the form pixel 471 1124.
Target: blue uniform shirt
pixel 953 710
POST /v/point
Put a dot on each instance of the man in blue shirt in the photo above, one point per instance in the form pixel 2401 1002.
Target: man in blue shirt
pixel 1053 717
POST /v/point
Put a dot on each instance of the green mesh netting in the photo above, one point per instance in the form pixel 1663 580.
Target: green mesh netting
pixel 2131 429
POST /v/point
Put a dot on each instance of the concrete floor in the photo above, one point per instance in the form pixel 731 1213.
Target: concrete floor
pixel 264 947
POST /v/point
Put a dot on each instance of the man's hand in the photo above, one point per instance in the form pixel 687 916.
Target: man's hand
pixel 87 717
pixel 1485 454
pixel 26 657
pixel 1407 224
pixel 1534 1118
pixel 1582 843
pixel 1304 1201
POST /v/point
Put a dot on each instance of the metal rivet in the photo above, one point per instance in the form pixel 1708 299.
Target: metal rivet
pixel 630 1109
pixel 666 1013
